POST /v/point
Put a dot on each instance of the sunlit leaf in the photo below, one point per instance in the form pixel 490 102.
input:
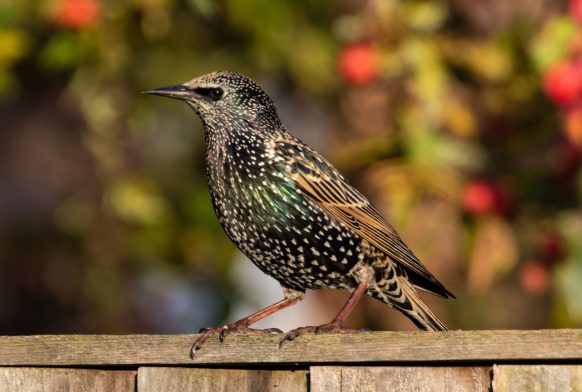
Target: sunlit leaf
pixel 486 59
pixel 207 8
pixel 14 45
pixel 429 78
pixel 431 148
pixel 425 16
pixel 553 42
pixel 137 201
pixel 459 118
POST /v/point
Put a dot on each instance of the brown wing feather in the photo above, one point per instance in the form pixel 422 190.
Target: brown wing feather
pixel 349 206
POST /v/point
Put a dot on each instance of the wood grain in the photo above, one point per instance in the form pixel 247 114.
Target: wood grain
pixel 399 378
pixel 453 347
pixel 41 380
pixel 162 379
pixel 546 378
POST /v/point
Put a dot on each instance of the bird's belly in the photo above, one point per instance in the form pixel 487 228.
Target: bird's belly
pixel 299 246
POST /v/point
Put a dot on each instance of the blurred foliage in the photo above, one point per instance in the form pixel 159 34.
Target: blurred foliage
pixel 455 117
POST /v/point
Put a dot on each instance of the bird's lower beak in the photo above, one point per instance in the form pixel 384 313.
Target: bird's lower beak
pixel 177 92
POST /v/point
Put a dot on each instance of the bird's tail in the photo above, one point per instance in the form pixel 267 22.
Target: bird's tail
pixel 410 303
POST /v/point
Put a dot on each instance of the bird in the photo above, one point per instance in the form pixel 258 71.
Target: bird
pixel 292 213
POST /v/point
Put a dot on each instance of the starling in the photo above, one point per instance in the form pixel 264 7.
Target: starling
pixel 293 214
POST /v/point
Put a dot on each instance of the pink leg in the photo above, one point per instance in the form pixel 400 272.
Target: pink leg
pixel 334 325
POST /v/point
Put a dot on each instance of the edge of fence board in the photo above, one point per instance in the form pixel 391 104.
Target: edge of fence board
pixel 51 379
pixel 547 346
pixel 155 379
pixel 400 378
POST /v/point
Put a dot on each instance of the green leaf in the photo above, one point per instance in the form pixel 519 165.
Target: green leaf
pixel 553 43
pixel 14 45
pixel 62 51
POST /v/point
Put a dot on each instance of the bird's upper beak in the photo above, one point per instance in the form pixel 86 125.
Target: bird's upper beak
pixel 177 92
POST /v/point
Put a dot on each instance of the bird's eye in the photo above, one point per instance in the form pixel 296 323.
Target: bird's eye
pixel 213 93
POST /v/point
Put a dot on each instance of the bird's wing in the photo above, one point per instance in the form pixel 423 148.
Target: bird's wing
pixel 322 184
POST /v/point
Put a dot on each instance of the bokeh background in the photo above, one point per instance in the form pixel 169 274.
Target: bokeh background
pixel 461 120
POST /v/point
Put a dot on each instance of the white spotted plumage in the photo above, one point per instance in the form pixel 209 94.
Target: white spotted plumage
pixel 291 212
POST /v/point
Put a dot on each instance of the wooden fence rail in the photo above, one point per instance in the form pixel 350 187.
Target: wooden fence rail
pixel 498 361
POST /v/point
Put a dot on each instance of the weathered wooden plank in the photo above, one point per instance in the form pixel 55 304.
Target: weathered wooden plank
pixel 399 378
pixel 455 347
pixel 162 379
pixel 546 378
pixel 23 379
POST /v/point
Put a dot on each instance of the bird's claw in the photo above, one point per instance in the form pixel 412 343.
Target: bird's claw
pixel 205 334
pixel 222 334
pixel 291 335
pixel 324 328
pixel 198 344
pixel 273 330
pixel 225 330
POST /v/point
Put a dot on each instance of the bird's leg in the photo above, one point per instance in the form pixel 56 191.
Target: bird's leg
pixel 242 325
pixel 334 325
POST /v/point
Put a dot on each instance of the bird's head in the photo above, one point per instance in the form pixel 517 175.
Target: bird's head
pixel 226 100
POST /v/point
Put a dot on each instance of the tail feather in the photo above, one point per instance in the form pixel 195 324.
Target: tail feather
pixel 420 314
pixel 411 305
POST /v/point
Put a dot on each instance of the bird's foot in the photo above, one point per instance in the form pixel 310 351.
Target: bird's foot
pixel 238 327
pixel 324 328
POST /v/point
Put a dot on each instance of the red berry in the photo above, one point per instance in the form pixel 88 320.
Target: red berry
pixel 77 14
pixel 575 9
pixel 563 83
pixel 359 64
pixel 574 126
pixel 480 197
pixel 534 278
